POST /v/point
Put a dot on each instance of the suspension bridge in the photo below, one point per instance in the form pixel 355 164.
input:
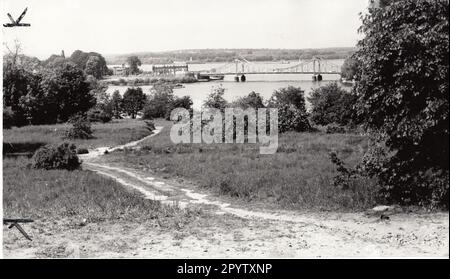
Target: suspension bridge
pixel 241 67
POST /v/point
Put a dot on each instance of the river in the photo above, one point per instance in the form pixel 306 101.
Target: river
pixel 262 84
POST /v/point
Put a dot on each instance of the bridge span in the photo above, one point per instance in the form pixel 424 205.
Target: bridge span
pixel 241 67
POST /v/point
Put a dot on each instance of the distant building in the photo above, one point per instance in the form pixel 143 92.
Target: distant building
pixel 121 70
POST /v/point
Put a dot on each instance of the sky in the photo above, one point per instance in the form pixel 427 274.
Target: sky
pixel 125 26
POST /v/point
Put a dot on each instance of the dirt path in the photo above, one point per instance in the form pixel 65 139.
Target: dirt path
pixel 233 230
pixel 273 233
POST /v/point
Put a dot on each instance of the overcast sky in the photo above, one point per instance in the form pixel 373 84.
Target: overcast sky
pixel 124 26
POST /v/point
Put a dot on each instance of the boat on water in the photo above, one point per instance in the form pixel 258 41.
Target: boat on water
pixel 216 77
pixel 209 77
pixel 177 85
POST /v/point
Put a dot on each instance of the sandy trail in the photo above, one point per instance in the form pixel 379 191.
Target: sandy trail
pixel 349 234
pixel 236 231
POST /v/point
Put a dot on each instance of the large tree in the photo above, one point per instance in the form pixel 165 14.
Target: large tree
pixel 133 101
pixel 66 93
pixel 134 62
pixel 94 67
pixel 80 58
pixel 116 104
pixel 403 97
pixel 47 96
pixel 160 102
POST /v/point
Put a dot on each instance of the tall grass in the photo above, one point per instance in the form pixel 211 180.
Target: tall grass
pixel 299 176
pixel 58 194
pixel 29 138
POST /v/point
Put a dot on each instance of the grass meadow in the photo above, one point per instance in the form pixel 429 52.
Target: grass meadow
pixel 29 138
pixel 48 194
pixel 80 194
pixel 299 176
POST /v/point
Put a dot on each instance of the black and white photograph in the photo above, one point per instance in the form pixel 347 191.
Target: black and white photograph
pixel 225 129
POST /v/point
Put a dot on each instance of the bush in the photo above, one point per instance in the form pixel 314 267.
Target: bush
pixel 332 104
pixel 252 100
pixel 291 118
pixel 349 68
pixel 98 115
pixel 215 99
pixel 8 118
pixel 81 128
pixel 162 101
pixel 51 156
pixel 292 115
pixel 352 178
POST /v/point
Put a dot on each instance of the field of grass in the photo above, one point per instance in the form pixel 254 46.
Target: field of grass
pixel 58 194
pixel 75 195
pixel 29 138
pixel 299 176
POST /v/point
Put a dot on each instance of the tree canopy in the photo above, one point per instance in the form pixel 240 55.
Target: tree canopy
pixel 133 101
pixel 403 97
pixel 134 62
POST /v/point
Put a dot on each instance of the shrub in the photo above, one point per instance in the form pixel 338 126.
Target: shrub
pixel 349 68
pixel 8 118
pixel 292 115
pixel 81 128
pixel 181 102
pixel 252 100
pixel 291 118
pixel 352 178
pixel 332 104
pixel 159 103
pixel 51 156
pixel 215 99
pixel 98 115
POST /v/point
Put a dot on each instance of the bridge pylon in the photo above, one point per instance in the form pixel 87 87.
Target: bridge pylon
pixel 240 76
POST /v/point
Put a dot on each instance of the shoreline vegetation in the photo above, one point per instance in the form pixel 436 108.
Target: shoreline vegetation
pixel 144 79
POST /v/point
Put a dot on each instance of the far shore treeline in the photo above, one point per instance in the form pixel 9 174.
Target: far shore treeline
pixel 228 55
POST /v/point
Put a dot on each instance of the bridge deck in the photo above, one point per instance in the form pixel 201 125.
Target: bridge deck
pixel 270 73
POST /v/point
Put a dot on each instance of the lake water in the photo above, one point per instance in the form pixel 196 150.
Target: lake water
pixel 262 84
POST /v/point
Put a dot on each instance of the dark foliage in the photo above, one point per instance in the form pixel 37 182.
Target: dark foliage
pixel 403 98
pixel 52 156
pixel 99 115
pixel 81 128
pixel 332 104
pixel 292 115
pixel 133 101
